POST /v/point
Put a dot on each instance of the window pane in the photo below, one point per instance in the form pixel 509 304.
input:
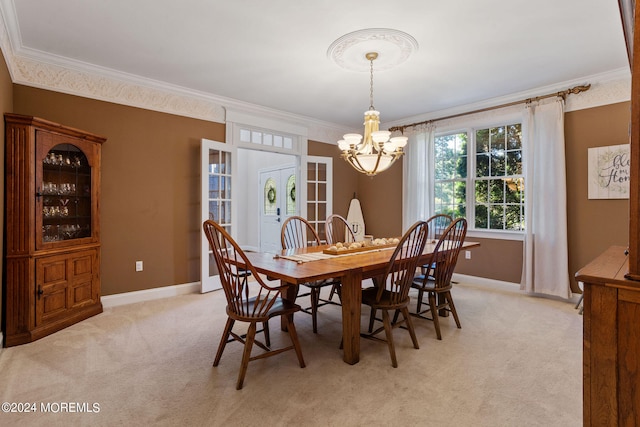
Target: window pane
pixel 513 190
pixel 462 167
pixel 514 163
pixel 460 195
pixel 514 136
pixel 311 171
pixel 444 193
pixel 322 172
pixel 291 195
pixel 482 191
pixel 311 211
pixel 496 191
pixel 497 163
pixel 496 217
pixel 482 216
pixel 513 217
pixel 214 211
pixel 482 165
pixel 270 195
pixel 322 211
pixel 498 138
pixel 482 141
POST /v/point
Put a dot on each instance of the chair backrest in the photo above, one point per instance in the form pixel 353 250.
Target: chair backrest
pixel 297 232
pixel 337 230
pixel 403 263
pixel 438 223
pixel 446 252
pixel 228 255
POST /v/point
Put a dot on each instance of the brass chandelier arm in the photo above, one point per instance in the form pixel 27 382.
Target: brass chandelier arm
pixel 563 94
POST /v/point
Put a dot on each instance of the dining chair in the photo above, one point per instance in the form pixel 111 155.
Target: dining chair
pixel 337 229
pixel 297 232
pixel 438 284
pixel 438 223
pixel 252 301
pixel 391 293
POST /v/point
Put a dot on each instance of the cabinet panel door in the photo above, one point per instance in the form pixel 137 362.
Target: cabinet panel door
pixel 65 282
pixel 51 288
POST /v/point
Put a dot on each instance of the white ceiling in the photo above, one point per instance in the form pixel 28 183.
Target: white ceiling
pixel 274 53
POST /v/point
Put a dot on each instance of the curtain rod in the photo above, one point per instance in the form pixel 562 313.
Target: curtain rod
pixel 563 94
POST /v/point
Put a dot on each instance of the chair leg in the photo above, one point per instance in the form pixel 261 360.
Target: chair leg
pixel 395 317
pixel 372 318
pixel 434 314
pixel 315 300
pixel 265 330
pixel 246 354
pixel 419 304
pixel 409 322
pixel 387 329
pixel 223 341
pixel 296 343
pixel 334 290
pixel 453 309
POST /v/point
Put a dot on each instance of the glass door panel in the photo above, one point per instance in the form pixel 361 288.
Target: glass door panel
pixel 63 196
pixel 216 196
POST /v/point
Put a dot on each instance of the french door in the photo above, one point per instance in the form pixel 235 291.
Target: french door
pixel 216 203
pixel 308 193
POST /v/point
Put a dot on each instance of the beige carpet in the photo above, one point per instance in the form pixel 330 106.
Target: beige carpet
pixel 517 361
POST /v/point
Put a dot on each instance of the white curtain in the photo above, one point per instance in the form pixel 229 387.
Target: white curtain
pixel 546 265
pixel 418 176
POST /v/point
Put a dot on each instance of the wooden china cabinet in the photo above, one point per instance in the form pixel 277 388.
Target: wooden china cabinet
pixel 52 229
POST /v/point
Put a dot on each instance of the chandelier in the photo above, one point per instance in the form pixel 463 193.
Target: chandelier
pixel 377 151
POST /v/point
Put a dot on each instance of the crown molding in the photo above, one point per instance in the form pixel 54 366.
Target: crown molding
pixel 46 71
pixel 606 88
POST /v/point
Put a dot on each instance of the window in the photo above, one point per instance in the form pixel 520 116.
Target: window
pixel 488 188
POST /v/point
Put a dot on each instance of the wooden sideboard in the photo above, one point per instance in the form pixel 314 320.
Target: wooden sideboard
pixel 611 352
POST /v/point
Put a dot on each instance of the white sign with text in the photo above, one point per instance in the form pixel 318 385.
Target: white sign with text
pixel 609 172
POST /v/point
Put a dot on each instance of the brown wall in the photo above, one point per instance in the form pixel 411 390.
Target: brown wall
pixel 6 103
pixel 593 225
pixel 150 206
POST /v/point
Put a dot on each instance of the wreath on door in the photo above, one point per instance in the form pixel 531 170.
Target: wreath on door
pixel 271 195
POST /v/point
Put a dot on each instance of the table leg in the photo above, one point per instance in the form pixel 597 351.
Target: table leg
pixel 351 296
pixel 290 295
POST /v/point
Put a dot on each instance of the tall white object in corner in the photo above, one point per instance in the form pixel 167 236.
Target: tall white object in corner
pixel 355 219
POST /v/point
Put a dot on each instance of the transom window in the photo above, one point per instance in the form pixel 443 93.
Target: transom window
pixel 486 188
pixel 267 139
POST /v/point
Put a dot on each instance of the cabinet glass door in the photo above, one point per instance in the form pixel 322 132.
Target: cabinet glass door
pixel 63 196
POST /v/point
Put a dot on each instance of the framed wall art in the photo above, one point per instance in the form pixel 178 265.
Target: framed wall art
pixel 609 172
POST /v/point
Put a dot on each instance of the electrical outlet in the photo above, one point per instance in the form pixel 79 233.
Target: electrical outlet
pixel 467 254
pixel 138 265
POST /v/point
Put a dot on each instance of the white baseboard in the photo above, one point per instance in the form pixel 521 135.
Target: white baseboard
pixel 483 281
pixel 507 286
pixel 149 294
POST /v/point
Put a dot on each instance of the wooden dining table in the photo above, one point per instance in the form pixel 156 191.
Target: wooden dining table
pixel 351 269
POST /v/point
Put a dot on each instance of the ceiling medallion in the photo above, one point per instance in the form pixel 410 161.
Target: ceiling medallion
pixel 393 47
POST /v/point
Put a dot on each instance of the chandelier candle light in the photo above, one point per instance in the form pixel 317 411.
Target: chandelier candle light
pixel 377 151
